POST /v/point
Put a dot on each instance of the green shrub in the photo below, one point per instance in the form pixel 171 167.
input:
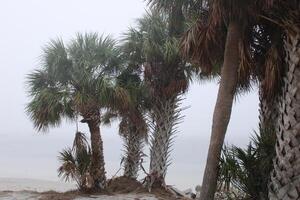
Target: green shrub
pixel 247 170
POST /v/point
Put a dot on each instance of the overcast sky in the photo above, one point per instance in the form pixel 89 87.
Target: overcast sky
pixel 28 25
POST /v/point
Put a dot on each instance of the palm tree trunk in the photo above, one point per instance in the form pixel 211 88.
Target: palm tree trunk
pixel 134 152
pixel 97 162
pixel 268 113
pixel 222 110
pixel 165 116
pixel 285 179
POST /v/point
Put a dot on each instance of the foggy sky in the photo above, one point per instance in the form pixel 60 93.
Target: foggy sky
pixel 28 25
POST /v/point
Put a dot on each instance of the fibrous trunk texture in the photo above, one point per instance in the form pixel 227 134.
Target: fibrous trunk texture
pixel 134 143
pixel 285 179
pixel 222 110
pixel 97 161
pixel 164 118
pixel 268 113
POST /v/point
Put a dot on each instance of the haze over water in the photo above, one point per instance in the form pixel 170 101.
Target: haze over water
pixel 28 25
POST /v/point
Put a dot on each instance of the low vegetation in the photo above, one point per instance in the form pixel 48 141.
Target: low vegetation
pixel 244 173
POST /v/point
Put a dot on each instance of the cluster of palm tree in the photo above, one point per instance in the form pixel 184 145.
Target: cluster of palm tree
pixel 141 80
pixel 166 77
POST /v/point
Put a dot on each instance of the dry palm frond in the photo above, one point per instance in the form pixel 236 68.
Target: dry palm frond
pixel 246 67
pixel 122 95
pixel 80 142
pixel 133 122
pixel 273 71
pixel 203 44
pixel 285 14
pixel 175 86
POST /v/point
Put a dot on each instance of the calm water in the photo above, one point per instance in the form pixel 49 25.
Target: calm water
pixel 36 157
pixel 27 154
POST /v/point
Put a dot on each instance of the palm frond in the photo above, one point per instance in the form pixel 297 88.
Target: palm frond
pixel 248 169
pixel 75 161
pixel 68 169
pixel 203 44
pixel 80 142
pixel 55 61
pixel 132 48
pixel 48 107
pixel 73 78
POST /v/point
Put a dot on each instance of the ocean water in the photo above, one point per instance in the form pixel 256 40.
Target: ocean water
pixel 25 153
pixel 35 157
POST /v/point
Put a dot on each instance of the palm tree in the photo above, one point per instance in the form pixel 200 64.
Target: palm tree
pixel 227 44
pixel 133 130
pixel 76 80
pixel 258 59
pixel 132 127
pixel 211 42
pixel 285 182
pixel 261 43
pixel 268 56
pixel 154 47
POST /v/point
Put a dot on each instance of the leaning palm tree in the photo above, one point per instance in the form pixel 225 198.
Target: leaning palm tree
pixel 209 44
pixel 225 34
pixel 154 47
pixel 76 80
pixel 218 41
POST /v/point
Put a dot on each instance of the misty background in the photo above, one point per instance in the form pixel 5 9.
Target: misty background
pixel 26 26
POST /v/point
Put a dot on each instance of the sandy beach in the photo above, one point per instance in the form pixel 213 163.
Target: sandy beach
pixel 31 189
pixel 27 195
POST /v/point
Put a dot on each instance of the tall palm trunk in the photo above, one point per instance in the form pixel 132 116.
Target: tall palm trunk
pixel 134 144
pixel 268 113
pixel 97 161
pixel 165 116
pixel 285 179
pixel 222 110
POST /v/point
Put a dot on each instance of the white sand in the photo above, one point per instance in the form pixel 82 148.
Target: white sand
pixel 25 189
pixel 120 197
pixel 25 195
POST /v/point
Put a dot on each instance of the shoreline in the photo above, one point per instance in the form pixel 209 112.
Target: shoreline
pixel 34 185
pixel 31 189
